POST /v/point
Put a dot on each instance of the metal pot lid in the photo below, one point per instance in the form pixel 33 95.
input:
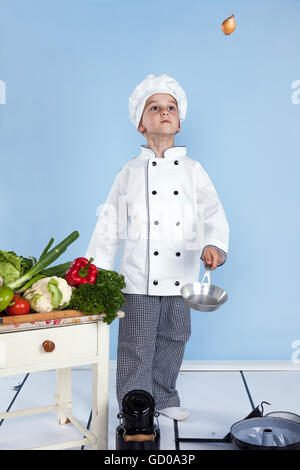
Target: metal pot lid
pixel 284 414
pixel 266 431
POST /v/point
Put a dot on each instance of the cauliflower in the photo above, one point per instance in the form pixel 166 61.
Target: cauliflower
pixel 48 294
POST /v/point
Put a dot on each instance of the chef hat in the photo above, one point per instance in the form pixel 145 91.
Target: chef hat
pixel 151 85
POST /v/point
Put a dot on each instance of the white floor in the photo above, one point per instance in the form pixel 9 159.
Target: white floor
pixel 216 400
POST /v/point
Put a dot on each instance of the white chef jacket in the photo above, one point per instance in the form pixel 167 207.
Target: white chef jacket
pixel 167 211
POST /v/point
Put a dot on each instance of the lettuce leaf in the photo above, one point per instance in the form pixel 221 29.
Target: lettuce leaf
pixel 12 266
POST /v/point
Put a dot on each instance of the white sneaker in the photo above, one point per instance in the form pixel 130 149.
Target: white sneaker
pixel 175 412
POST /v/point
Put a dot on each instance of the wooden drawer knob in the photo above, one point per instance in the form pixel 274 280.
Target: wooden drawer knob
pixel 48 346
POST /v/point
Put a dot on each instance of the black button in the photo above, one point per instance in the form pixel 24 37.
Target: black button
pixel 155 253
pixel 176 162
pixel 153 163
pixel 155 283
pixel 177 223
pixel 156 222
pixel 176 192
pixel 177 283
pixel 177 254
pixel 154 192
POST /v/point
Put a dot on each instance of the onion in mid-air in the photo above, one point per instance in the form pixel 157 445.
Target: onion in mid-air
pixel 228 25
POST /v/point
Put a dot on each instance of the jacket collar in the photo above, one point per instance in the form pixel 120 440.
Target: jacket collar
pixel 169 154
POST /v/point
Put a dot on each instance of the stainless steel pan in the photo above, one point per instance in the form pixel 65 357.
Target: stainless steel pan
pixel 204 296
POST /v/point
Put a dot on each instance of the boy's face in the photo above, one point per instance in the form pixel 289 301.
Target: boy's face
pixel 158 108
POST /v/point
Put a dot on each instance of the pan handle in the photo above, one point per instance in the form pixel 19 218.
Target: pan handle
pixel 206 275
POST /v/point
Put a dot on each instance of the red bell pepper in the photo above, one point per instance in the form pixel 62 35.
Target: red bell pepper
pixel 81 271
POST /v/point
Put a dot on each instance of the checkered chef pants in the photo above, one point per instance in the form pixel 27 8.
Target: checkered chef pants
pixel 152 338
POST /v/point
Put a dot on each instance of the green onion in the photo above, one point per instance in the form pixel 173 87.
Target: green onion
pixel 28 284
pixel 45 260
pixel 45 251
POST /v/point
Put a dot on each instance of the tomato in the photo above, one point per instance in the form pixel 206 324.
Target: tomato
pixel 21 306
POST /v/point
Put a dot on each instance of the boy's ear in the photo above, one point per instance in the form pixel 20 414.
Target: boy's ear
pixel 141 128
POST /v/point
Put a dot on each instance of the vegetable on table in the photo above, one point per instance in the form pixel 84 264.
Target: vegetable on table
pixel 48 294
pixel 46 249
pixel 104 296
pixel 45 260
pixel 28 284
pixel 6 296
pixel 81 271
pixel 56 294
pixel 18 306
pixel 59 270
pixel 12 266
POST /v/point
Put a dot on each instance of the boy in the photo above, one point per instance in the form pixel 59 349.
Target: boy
pixel 167 209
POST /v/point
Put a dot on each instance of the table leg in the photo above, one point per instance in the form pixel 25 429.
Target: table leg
pixel 99 423
pixel 63 392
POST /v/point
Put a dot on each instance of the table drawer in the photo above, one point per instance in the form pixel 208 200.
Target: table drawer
pixel 29 347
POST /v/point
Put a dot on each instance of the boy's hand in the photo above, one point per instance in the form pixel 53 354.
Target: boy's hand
pixel 211 257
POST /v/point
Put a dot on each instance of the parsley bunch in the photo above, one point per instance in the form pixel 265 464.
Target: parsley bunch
pixel 103 296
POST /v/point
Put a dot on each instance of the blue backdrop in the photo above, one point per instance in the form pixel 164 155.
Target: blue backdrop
pixel 67 68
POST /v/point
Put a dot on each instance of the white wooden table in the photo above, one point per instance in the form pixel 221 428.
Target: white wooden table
pixel 62 347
